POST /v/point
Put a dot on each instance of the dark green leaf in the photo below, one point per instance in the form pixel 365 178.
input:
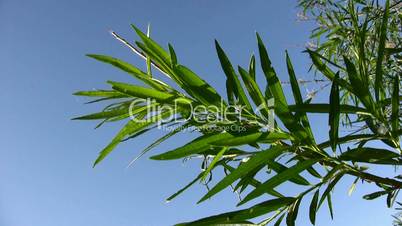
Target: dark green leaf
pixel 130 128
pixel 279 179
pixel 395 108
pixel 242 215
pixel 141 92
pixel 292 213
pixel 370 155
pixel 313 207
pixel 232 76
pixel 297 95
pixel 326 108
pixel 334 112
pixel 132 70
pixel 254 162
pixel 251 67
pixel 275 87
pixel 375 195
pixel 378 82
pixel 184 188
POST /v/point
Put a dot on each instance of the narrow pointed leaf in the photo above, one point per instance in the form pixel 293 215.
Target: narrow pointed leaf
pixel 242 215
pixel 197 87
pixel 231 75
pixel 375 195
pixel 292 213
pixel 329 201
pixel 279 179
pixel 103 114
pixel 334 113
pixel 244 169
pixel 371 155
pixel 130 128
pixel 275 87
pixel 151 44
pixel 141 92
pixel 313 207
pixel 212 164
pixel 251 67
pixel 158 142
pixel 326 108
pixel 279 168
pixel 297 95
pixel 98 93
pixel 130 69
pixel 173 57
pixel 329 188
pixel 254 91
pixel 170 198
pixel 378 82
pixel 361 91
pixel 395 108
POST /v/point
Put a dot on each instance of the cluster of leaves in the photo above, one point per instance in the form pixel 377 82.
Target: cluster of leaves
pixel 289 150
pixel 398 217
pixel 357 29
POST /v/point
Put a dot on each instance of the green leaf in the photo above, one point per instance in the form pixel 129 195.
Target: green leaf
pixel 326 108
pixel 173 56
pixel 378 82
pixel 196 146
pixel 103 114
pixel 313 172
pixel 270 74
pixel 152 45
pixel 279 168
pixel 329 201
pixel 249 180
pixel 159 141
pixel 279 179
pixel 232 76
pixel 141 92
pixel 297 96
pixel 313 207
pixel 205 142
pixel 148 60
pixel 242 139
pixel 132 70
pixel 254 162
pixel 329 188
pixel 293 81
pixel 375 195
pixel 251 67
pixel 395 108
pixel 370 155
pixel 130 128
pixel 360 90
pixel 326 71
pixel 212 164
pixel 197 87
pixel 334 113
pixel 279 221
pixel 349 138
pixel 353 186
pixel 242 215
pixel 254 91
pixel 170 198
pixel 292 213
pixel 275 87
pixel 99 93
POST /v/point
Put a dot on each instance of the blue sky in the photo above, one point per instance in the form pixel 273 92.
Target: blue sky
pixel 46 159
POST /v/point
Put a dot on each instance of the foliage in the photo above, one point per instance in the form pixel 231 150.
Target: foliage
pixel 398 217
pixel 364 73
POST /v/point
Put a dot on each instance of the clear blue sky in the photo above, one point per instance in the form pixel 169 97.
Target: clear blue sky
pixel 45 165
